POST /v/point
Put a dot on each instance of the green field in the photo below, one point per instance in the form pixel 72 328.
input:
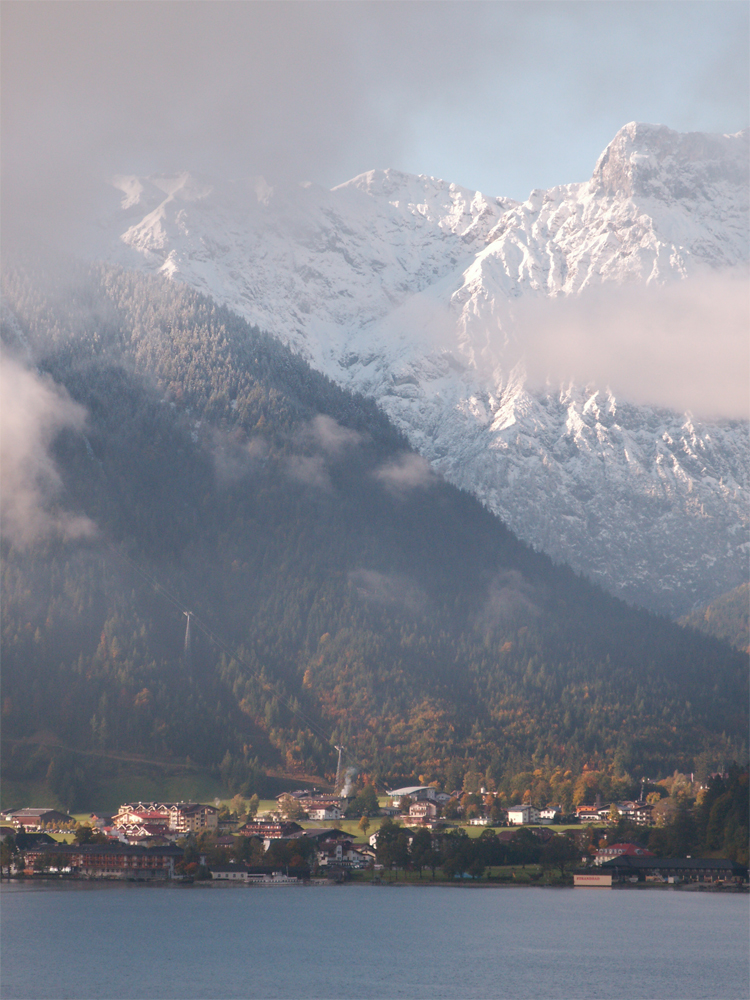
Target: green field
pixel 109 792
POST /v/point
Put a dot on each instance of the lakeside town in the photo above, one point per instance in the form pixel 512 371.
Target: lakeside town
pixel 418 834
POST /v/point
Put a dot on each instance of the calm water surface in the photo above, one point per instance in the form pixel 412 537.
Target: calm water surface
pixel 199 942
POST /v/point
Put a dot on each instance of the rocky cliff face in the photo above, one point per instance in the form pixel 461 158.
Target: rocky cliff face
pixel 411 290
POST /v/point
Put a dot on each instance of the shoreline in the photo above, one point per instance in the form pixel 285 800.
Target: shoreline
pixel 396 884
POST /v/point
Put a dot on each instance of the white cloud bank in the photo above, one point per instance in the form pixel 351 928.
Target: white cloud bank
pixel 408 471
pixel 33 410
pixel 684 346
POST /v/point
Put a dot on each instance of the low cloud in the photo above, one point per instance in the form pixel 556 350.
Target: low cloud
pixel 326 442
pixel 387 589
pixel 408 471
pixel 234 457
pixel 310 470
pixel 33 411
pixel 510 599
pixel 327 435
pixel 682 346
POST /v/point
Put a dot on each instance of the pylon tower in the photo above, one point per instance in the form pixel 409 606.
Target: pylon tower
pixel 338 768
pixel 188 615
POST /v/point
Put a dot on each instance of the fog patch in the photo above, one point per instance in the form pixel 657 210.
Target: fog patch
pixel 387 589
pixel 234 457
pixel 325 434
pixel 510 598
pixel 407 472
pixel 326 442
pixel 682 346
pixel 309 470
pixel 33 411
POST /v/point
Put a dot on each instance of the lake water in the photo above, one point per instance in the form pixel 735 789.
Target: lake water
pixel 194 942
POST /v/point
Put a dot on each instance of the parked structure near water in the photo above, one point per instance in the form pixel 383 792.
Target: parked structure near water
pixel 125 861
pixel 583 880
pixel 248 875
pixel 707 870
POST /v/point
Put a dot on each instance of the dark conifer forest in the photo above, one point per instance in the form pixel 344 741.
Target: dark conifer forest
pixel 340 592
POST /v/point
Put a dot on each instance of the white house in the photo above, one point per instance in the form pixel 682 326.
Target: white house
pixel 324 812
pixel 229 873
pixel 423 811
pixel 591 814
pixel 639 812
pixel 522 815
pixel 342 853
pixel 549 815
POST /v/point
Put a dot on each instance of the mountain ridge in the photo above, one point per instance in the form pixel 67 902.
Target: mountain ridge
pixel 407 289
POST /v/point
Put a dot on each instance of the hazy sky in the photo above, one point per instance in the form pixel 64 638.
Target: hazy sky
pixel 503 97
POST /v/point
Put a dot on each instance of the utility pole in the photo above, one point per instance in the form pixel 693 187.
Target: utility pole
pixel 188 615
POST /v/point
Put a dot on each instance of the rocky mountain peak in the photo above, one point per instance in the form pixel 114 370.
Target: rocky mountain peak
pixel 655 161
pixel 405 288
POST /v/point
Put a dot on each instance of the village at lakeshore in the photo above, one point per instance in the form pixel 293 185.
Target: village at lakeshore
pixel 415 835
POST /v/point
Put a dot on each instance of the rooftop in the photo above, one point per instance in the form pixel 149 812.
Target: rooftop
pixel 115 849
pixel 686 864
pixel 36 813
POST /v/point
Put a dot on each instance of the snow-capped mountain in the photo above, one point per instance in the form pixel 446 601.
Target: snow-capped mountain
pixel 408 288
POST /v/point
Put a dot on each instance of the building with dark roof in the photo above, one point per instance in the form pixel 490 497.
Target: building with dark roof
pixel 128 861
pixel 26 841
pixel 628 868
pixel 38 819
pixel 320 833
pixel 269 830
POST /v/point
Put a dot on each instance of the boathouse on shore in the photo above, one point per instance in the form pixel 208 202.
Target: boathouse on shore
pixel 628 868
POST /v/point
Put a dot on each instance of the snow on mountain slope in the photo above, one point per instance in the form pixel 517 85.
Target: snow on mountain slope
pixel 404 288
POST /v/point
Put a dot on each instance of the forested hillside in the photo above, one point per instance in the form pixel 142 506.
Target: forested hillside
pixel 727 618
pixel 340 591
